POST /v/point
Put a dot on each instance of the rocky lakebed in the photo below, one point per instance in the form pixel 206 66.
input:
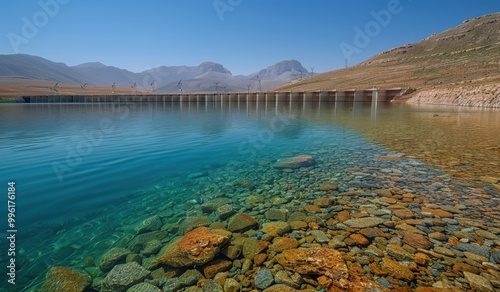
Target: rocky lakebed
pixel 360 219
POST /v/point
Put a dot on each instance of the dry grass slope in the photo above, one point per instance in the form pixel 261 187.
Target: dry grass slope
pixel 464 55
pixel 13 87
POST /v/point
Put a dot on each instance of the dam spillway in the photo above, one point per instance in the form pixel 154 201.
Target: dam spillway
pixel 352 95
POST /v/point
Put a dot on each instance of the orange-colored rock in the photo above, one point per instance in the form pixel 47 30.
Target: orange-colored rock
pixel 313 225
pixel 454 241
pixel 328 187
pixel 403 213
pixel 312 209
pixel 414 222
pixel 422 259
pixel 323 202
pixel 383 193
pixel 459 268
pixel 438 212
pixel 313 261
pixel 65 279
pixel 198 246
pixel 283 243
pixel 397 270
pixel 438 236
pixel 275 228
pixel 377 270
pixel 389 200
pixel 329 264
pixel 416 240
pixel 356 269
pixel 409 228
pixel 343 216
pixel 359 215
pixel 219 265
pixel 259 259
pixel 360 239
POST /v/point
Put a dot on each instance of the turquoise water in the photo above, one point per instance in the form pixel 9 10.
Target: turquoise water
pixel 86 174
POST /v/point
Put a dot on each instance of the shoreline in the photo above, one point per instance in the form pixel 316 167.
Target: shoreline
pixel 485 96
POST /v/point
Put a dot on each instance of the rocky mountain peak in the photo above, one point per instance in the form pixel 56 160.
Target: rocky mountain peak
pixel 212 67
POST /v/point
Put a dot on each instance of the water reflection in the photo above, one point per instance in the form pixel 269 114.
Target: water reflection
pixel 464 142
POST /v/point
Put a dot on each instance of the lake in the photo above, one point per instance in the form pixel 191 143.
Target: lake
pixel 87 175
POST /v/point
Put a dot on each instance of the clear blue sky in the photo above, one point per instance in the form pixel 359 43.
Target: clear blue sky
pixel 243 35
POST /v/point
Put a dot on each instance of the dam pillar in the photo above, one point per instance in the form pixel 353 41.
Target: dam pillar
pixel 308 96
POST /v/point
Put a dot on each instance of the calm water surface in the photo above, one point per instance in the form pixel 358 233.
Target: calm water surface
pixel 84 173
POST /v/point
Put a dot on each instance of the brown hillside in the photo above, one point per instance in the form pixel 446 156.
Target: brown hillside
pixel 463 55
pixel 12 87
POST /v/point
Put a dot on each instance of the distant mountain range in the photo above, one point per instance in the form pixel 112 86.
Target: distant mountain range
pixel 207 76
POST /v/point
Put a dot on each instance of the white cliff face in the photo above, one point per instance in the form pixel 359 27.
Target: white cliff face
pixel 475 96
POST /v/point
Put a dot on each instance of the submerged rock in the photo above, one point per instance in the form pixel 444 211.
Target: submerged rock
pixel 295 162
pixel 252 247
pixel 364 222
pixel 329 265
pixel 216 266
pixel 194 222
pixel 397 270
pixel 143 287
pixel 231 285
pixel 483 251
pixel 140 241
pixel 276 228
pixel 112 257
pixel 478 283
pixel 123 277
pixel 241 222
pixel 198 246
pixel 225 211
pixel 244 183
pixel 212 205
pixel 61 279
pixel 212 286
pixel 416 240
pixel 151 224
pixel 276 214
pixel 313 261
pixel 263 279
